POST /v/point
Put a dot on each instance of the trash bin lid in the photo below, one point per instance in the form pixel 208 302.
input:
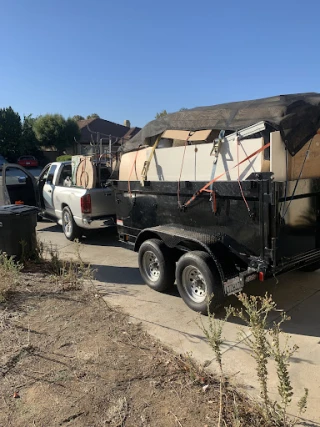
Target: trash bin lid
pixel 17 210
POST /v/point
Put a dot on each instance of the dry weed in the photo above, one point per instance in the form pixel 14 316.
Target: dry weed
pixel 10 273
pixel 68 275
pixel 264 343
pixel 213 333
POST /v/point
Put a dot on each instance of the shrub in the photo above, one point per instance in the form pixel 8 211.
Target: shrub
pixel 266 343
pixel 64 158
pixel 10 274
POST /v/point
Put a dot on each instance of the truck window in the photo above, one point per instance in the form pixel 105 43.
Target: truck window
pixel 51 174
pixel 15 176
pixel 44 174
pixel 65 175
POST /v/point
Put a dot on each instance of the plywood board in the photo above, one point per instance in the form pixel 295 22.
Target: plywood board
pixel 311 168
pixel 132 163
pixel 278 157
pixel 200 135
pixel 298 210
pixel 86 176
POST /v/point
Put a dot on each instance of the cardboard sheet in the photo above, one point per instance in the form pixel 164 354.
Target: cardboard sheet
pixel 199 135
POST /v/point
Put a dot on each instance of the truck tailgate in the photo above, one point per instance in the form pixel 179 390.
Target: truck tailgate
pixel 102 202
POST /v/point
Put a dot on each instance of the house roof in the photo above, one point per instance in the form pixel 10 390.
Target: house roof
pixel 131 133
pixel 90 127
pixel 84 123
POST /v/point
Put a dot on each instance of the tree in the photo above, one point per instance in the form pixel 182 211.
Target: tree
pixel 93 116
pixel 55 130
pixel 72 130
pixel 161 114
pixel 10 132
pixel 77 117
pixel 29 143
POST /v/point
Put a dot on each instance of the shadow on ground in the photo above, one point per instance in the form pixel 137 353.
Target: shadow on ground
pixel 294 294
pixel 103 237
pixel 50 226
pixel 297 293
pixel 117 275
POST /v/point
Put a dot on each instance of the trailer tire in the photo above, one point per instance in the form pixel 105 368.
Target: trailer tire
pixel 156 266
pixel 199 282
pixel 69 227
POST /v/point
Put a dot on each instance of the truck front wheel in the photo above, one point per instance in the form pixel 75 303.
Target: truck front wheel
pixel 156 266
pixel 199 282
pixel 70 228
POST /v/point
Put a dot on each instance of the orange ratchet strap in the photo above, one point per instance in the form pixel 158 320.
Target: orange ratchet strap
pixel 224 173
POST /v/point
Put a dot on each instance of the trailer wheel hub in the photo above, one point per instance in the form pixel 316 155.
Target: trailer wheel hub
pixel 194 284
pixel 151 265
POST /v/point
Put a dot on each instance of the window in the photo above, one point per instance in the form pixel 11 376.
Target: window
pixel 51 174
pixel 64 174
pixel 44 174
pixel 15 176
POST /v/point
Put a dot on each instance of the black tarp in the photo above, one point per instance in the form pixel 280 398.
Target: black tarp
pixel 296 116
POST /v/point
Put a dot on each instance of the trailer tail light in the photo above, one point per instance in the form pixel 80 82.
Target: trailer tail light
pixel 261 276
pixel 86 204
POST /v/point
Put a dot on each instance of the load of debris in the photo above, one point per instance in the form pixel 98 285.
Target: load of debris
pixel 272 134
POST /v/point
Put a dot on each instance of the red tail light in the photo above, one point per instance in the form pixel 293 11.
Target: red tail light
pixel 86 204
pixel 261 276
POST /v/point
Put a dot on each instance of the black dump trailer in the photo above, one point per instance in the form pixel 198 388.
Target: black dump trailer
pixel 218 249
pixel 213 239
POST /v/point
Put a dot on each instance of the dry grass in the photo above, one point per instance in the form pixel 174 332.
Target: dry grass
pixel 68 358
pixel 73 360
pixel 67 274
pixel 10 274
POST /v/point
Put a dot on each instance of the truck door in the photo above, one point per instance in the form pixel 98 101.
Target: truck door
pixel 46 180
pixel 18 186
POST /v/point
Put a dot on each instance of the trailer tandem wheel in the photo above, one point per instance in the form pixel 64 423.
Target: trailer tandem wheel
pixel 157 267
pixel 199 282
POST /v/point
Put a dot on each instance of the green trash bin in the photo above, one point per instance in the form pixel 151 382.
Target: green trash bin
pixel 18 230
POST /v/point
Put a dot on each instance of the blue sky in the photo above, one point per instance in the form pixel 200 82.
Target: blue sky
pixel 130 59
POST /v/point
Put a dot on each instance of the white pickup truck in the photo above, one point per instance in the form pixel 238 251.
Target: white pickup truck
pixel 75 209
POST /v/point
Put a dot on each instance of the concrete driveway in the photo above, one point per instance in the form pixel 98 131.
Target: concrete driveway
pixel 166 317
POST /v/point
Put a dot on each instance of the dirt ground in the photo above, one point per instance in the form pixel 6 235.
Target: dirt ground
pixel 68 359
